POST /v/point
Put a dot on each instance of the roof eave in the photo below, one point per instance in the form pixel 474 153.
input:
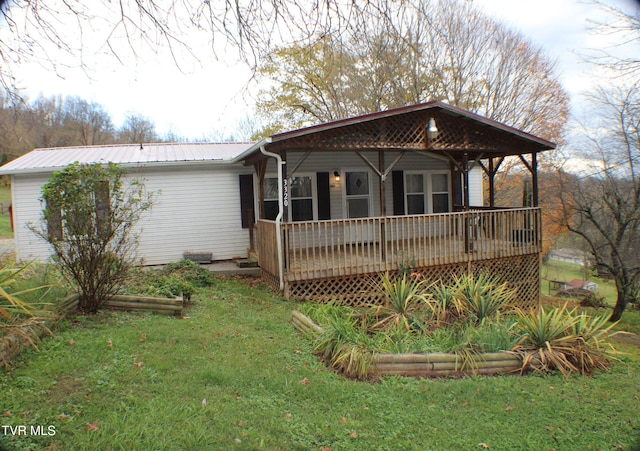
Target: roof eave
pixel 51 169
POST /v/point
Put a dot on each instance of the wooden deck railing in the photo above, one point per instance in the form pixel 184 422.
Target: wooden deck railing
pixel 319 249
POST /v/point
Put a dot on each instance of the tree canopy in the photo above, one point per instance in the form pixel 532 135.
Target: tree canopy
pixel 446 51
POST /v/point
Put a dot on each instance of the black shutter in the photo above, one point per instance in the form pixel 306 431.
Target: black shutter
pixel 246 199
pixel 397 179
pixel 324 200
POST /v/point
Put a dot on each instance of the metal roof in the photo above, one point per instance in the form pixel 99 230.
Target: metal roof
pixel 50 159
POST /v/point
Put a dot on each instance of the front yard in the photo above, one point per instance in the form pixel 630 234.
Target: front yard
pixel 234 374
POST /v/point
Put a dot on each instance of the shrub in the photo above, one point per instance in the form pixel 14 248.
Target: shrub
pixel 89 216
pixel 189 271
pixel 402 299
pixel 564 340
pixel 346 347
pixel 483 296
pixel 444 305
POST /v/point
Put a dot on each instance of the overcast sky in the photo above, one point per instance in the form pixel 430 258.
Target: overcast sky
pixel 208 97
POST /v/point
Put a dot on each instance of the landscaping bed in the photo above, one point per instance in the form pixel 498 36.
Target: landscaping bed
pixel 426 365
pixel 468 328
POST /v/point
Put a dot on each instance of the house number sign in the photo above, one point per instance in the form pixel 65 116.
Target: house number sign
pixel 285 192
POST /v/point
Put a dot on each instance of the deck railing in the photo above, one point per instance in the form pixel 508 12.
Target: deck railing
pixel 318 249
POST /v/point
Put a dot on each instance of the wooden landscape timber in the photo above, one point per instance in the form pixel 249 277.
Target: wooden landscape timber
pixel 165 306
pixel 427 365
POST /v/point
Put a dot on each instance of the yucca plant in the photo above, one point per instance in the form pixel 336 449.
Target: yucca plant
pixel 591 348
pixel 493 337
pixel 562 339
pixel 444 305
pixel 18 317
pixel 346 347
pixel 483 296
pixel 12 307
pixel 402 299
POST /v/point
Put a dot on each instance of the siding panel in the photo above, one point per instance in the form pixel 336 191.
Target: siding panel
pixel 197 209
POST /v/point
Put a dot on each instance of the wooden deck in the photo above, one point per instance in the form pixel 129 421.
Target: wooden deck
pixel 343 250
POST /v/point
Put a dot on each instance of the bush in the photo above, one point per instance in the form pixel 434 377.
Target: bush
pixel 564 340
pixel 189 271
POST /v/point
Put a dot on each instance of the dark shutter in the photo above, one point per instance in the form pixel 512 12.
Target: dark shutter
pixel 324 200
pixel 397 180
pixel 246 199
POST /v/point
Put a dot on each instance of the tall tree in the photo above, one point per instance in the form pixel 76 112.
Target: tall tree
pixel 129 28
pixel 137 129
pixel 603 206
pixel 442 50
pixel 623 25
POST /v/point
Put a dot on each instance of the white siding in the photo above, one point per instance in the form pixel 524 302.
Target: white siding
pixel 348 160
pixel 27 210
pixel 476 194
pixel 198 209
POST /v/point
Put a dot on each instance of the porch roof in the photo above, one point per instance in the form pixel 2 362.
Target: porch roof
pixel 460 132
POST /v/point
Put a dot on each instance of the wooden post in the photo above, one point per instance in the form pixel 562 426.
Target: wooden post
pixel 383 209
pixel 252 240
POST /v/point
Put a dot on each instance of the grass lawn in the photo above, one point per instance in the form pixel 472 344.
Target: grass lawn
pixel 234 374
pixel 553 270
pixel 5 221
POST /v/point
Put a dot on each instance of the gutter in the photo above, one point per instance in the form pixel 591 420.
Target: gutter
pixel 280 207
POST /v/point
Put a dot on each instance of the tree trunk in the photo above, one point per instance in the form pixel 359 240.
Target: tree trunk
pixel 621 302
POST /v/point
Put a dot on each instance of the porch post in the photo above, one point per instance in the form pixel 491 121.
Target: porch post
pixel 383 209
pixel 492 184
pixel 534 178
pixel 465 169
pixel 285 188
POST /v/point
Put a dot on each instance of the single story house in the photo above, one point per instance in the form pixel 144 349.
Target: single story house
pixel 328 206
pixel 567 255
pixel 583 284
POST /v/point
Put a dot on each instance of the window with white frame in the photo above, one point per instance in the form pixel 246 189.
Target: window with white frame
pixel 440 193
pixel 426 192
pixel 301 198
pixel 270 198
pixel 415 192
pixel 357 194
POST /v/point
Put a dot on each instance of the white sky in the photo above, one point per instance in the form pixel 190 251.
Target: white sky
pixel 208 97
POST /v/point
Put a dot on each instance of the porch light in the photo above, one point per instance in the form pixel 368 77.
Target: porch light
pixel 432 130
pixel 336 176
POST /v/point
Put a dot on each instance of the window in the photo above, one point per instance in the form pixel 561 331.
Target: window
pixel 270 198
pixel 415 192
pixel 426 192
pixel 301 192
pixel 439 193
pixel 301 195
pixel 357 194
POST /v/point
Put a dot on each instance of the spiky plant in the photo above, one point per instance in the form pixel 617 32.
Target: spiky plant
pixel 564 340
pixel 484 296
pixel 12 307
pixel 402 300
pixel 444 305
pixel 346 347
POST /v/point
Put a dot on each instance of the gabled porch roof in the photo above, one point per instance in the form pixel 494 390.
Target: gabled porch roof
pixel 463 138
pixel 461 134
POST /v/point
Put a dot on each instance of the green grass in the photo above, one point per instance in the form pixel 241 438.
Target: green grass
pixel 553 270
pixel 139 381
pixel 5 221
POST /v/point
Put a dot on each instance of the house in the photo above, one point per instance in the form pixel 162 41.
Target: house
pixel 583 285
pixel 567 255
pixel 329 206
pixel 197 208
